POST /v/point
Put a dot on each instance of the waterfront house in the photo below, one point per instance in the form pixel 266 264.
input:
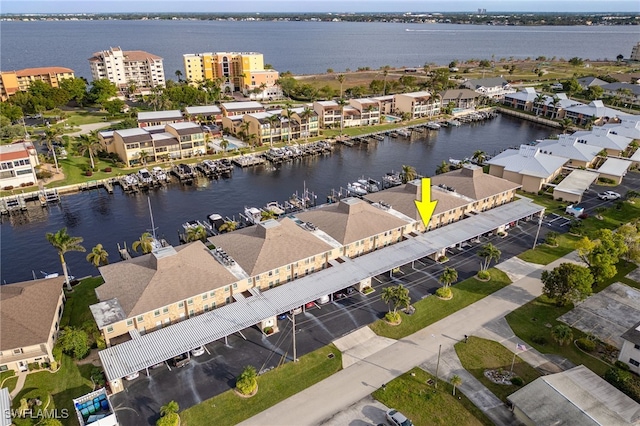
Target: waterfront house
pixel 232 109
pixel 576 396
pixel 30 313
pixel 368 109
pixel 579 152
pixel 386 103
pixel 595 112
pixel 191 138
pixel 628 126
pixel 461 98
pixel 208 114
pixel 604 138
pixel 554 107
pixel 625 93
pixel 12 82
pixel 630 351
pixel 351 117
pixel 260 124
pixel 418 104
pixel 633 78
pixel 523 100
pixel 158 118
pixel 329 113
pixel 527 166
pixel 127 69
pixel 128 143
pixel 494 88
pixel 18 164
pixel 151 291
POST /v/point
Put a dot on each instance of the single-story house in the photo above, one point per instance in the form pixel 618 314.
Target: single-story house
pixel 627 93
pixel 614 169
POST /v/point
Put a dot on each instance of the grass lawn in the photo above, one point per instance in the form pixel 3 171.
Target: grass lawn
pixel 76 308
pixel 425 405
pixel 71 381
pixel 8 380
pixel 544 254
pixel 75 119
pixel 531 323
pixel 478 355
pixel 432 309
pixel 273 387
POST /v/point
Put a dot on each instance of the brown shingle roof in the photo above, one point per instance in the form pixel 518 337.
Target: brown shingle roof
pixel 138 55
pixel 149 282
pixel 270 245
pixel 44 70
pixel 472 182
pixel 351 220
pixel 27 310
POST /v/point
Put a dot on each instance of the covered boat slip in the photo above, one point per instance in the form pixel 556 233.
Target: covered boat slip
pixel 158 346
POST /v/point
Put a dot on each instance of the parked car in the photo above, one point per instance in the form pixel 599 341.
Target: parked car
pixel 609 195
pixel 132 376
pixel 310 305
pixel 282 316
pixel 197 351
pixel 180 360
pixel 324 299
pixel 296 311
pixel 396 418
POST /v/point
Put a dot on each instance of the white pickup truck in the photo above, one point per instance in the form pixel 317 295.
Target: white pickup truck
pixel 574 211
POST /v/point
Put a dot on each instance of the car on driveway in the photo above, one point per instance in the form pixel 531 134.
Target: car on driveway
pixel 197 351
pixel 180 360
pixel 396 418
pixel 609 195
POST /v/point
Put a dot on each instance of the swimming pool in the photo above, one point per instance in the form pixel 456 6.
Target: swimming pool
pixel 391 119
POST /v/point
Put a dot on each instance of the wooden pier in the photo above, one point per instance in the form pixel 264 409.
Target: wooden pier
pixel 248 161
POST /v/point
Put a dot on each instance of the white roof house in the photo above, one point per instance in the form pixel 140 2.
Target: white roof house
pixel 593 109
pixel 528 160
pixel 568 146
pixel 527 94
pixel 615 167
pixel 629 126
pixel 203 110
pixel 574 397
pixel 573 186
pixel 240 106
pixel 174 114
pixel 603 138
pixel 563 101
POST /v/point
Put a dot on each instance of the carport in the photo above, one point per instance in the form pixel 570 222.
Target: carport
pixel 573 186
pixel 614 169
pixel 147 350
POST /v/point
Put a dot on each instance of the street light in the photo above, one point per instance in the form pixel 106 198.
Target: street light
pixel 538 231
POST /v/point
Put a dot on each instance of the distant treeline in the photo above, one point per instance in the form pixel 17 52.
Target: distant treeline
pixel 488 18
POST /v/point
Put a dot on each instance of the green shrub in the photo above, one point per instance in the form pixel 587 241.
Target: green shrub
pixel 442 259
pixel 517 381
pixel 484 275
pixel 34 366
pixel 539 340
pixel 551 238
pixel 247 381
pixel 444 292
pixel 622 365
pixel 606 180
pixel 368 290
pixel 392 317
pixel 170 419
pixel 586 345
pixel 268 330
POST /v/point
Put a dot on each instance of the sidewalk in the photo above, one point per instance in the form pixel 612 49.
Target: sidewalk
pixel 324 399
pixel 22 376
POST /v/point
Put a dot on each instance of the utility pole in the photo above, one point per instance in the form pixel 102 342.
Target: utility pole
pixel 293 315
pixel 535 241
pixel 438 365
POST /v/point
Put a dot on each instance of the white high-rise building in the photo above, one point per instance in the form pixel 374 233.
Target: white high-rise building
pixel 635 52
pixel 126 68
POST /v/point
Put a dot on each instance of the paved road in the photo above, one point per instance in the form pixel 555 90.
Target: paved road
pixel 345 388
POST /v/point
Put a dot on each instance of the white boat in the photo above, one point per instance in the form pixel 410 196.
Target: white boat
pixel 131 179
pixel 145 177
pixel 453 123
pixel 253 215
pixel 275 208
pixel 159 173
pixel 216 221
pixel 356 188
pixel 432 125
pixel 403 133
pixel 454 162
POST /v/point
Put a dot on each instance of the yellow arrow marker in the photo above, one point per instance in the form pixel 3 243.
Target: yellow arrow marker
pixel 425 206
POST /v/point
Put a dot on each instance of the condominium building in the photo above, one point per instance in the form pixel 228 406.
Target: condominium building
pixel 19 81
pixel 18 163
pixel 635 52
pixel 418 104
pixel 126 68
pixel 236 71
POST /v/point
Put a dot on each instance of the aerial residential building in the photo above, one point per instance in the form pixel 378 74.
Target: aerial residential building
pixel 208 114
pixel 461 98
pixel 635 52
pixel 527 166
pixel 604 138
pixel 586 82
pixel 495 87
pixel 576 396
pixel 627 93
pixel 12 82
pixel 418 104
pixel 387 103
pixel 523 99
pixel 128 68
pixel 30 315
pixel 630 351
pixel 158 118
pixel 236 71
pixel 368 109
pixel 629 126
pixel 579 152
pixel 18 163
pixel 614 169
pixel 329 113
pixel 595 112
pixel 573 187
pixel 230 109
pixel 554 106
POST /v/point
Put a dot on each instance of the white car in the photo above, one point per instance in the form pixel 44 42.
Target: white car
pixel 609 195
pixel 396 418
pixel 197 351
pixel 132 376
pixel 324 299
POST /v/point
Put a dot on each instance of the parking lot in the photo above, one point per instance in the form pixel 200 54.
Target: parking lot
pixel 215 371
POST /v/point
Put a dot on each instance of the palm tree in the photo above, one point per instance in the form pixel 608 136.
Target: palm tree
pixel 479 156
pixel 488 253
pixel 195 233
pixel 179 75
pixel 266 215
pixel 385 73
pixel 443 168
pixel 228 226
pixel 408 173
pixel 448 277
pixel 565 124
pixel 273 121
pixel 224 144
pixel 145 243
pixel 555 102
pixel 341 79
pixel 305 115
pixel 51 135
pixel 538 101
pixel 64 243
pixel 169 408
pixel 89 142
pixel 397 295
pixel 98 256
pixel 341 103
pixel 287 111
pixel 562 334
pixel 244 128
pixel 455 382
pixel 144 157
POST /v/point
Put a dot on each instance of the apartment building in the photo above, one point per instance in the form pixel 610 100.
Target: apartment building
pixel 12 82
pixel 270 130
pixel 604 138
pixel 495 87
pixel 329 113
pixel 577 150
pixel 635 52
pixel 125 68
pixel 159 118
pixel 418 104
pixel 236 71
pixel 627 93
pixel 461 98
pixel 30 314
pixel 595 112
pixel 368 110
pixel 18 164
pixel 523 100
pixel 207 114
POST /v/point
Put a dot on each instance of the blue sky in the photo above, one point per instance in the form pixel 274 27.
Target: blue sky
pixel 251 6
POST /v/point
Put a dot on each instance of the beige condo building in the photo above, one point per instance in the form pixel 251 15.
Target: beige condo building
pixel 12 82
pixel 127 68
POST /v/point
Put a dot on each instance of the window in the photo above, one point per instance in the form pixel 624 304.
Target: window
pixel 17 351
pixel 212 294
pixel 189 301
pixel 181 305
pixel 165 310
pixel 141 318
pixel 156 313
pixel 636 346
pixel 205 308
pixel 205 296
pixel 235 286
pixel 634 362
pixel 109 329
pixel 129 322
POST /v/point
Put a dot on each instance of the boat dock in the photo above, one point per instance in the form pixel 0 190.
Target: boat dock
pixel 107 184
pixel 248 161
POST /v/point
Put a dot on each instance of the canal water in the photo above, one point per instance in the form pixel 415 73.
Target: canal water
pixel 118 218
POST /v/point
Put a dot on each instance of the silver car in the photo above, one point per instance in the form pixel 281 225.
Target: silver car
pixel 396 418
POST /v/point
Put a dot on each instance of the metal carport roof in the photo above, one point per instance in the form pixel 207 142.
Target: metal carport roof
pixel 158 346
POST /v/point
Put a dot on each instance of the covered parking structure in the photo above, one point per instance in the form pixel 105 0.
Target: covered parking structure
pixel 144 351
pixel 573 186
